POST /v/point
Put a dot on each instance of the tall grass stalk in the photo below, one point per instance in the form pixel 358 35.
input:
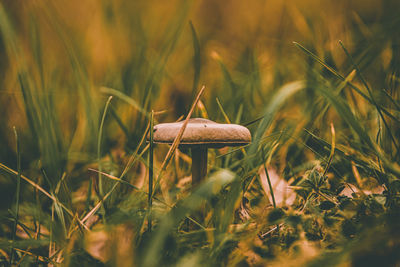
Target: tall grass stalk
pixel 17 194
pixel 99 142
pixel 379 110
pixel 151 158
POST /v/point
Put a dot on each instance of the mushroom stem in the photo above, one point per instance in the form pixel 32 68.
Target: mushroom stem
pixel 199 164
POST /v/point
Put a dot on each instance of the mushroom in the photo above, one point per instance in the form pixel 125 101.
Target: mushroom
pixel 199 135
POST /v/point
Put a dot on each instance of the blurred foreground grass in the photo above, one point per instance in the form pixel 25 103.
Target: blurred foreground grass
pixel 316 83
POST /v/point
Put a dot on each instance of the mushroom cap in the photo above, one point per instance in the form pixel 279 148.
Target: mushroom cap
pixel 203 132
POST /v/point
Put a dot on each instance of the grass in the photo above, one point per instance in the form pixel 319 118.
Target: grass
pixel 318 185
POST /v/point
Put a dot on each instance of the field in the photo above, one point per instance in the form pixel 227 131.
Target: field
pixel 83 83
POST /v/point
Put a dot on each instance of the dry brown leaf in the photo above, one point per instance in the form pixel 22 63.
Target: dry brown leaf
pixel 284 195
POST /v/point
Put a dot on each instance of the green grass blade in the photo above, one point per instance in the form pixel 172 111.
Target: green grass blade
pixel 125 98
pixel 223 111
pixel 151 157
pixel 205 191
pixel 341 77
pixel 394 102
pixel 228 78
pixel 119 121
pixel 269 180
pixel 273 106
pixel 239 114
pixel 17 194
pixel 345 113
pixel 99 141
pixel 370 95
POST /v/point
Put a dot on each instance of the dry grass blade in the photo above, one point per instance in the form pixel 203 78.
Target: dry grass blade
pixel 177 139
pixel 332 149
pixel 112 177
pixel 228 121
pixel 41 258
pixel 203 110
pixel 142 191
pixel 130 163
pixel 98 205
pixel 341 77
pixel 223 111
pixel 35 185
pixel 132 158
pixel 38 187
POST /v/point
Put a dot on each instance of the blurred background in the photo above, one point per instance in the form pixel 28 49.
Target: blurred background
pixel 242 51
pixel 61 60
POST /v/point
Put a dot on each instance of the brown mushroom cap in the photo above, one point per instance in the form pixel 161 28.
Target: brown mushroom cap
pixel 203 132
